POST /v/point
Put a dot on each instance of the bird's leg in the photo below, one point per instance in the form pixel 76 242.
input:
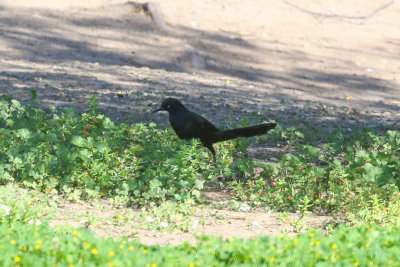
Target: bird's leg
pixel 215 160
pixel 210 147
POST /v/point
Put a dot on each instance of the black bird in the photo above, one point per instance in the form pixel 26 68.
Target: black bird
pixel 188 125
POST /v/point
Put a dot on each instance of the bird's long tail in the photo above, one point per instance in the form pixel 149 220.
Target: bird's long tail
pixel 244 132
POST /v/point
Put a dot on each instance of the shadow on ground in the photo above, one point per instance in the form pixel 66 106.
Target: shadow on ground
pixel 130 66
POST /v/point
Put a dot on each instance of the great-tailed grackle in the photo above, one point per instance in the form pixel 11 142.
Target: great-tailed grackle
pixel 188 125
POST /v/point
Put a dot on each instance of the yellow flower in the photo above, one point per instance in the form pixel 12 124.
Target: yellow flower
pixel 367 245
pixel 70 265
pixel 36 234
pixel 272 259
pixel 111 264
pixel 39 241
pixel 232 239
pixel 317 242
pixel 312 234
pixel 17 259
pixel 281 235
pixel 94 251
pixel 86 244
pixel 153 265
pixel 356 263
pixel 24 248
pixel 111 253
pixel 131 247
pixel 121 246
pixel 191 264
pixel 37 247
pixel 12 242
pixel 371 263
pixel 75 233
pixel 390 262
pixel 144 251
pixel 334 246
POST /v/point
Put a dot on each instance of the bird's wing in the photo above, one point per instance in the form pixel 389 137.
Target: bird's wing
pixel 202 123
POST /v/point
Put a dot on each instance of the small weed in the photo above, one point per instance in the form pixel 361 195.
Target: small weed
pixel 21 205
pixel 299 224
pixel 168 216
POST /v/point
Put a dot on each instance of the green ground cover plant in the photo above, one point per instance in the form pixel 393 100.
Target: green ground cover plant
pixel 84 156
pixel 357 174
pixel 48 154
pixel 39 245
pixel 24 206
pixel 89 155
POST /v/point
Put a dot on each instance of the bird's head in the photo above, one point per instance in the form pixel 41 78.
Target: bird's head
pixel 170 105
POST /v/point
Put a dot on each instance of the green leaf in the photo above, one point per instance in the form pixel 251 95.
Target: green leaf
pixel 155 183
pixel 372 171
pixel 90 142
pixel 199 184
pixel 78 141
pixel 271 169
pixel 9 122
pixel 196 193
pixel 16 104
pixel 101 148
pixel 16 160
pixel 299 134
pixel 227 171
pixel 24 133
pixel 85 154
pixel 311 151
pixel 51 183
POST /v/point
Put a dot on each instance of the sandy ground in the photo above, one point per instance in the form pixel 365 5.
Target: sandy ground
pixel 330 62
pixel 105 220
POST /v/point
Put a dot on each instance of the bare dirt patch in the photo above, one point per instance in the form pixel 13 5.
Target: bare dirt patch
pixel 234 56
pixel 105 220
pixel 331 63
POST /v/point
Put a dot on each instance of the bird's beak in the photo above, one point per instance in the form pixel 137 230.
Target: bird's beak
pixel 160 108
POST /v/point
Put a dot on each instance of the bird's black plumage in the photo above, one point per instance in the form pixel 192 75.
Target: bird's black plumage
pixel 188 125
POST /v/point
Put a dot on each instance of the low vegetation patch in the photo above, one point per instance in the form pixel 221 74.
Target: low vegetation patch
pixel 48 155
pixel 87 155
pixel 357 174
pixel 39 245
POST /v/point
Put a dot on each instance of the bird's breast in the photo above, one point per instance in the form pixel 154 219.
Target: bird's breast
pixel 183 126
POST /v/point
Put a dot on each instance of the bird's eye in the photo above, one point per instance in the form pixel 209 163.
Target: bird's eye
pixel 168 106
